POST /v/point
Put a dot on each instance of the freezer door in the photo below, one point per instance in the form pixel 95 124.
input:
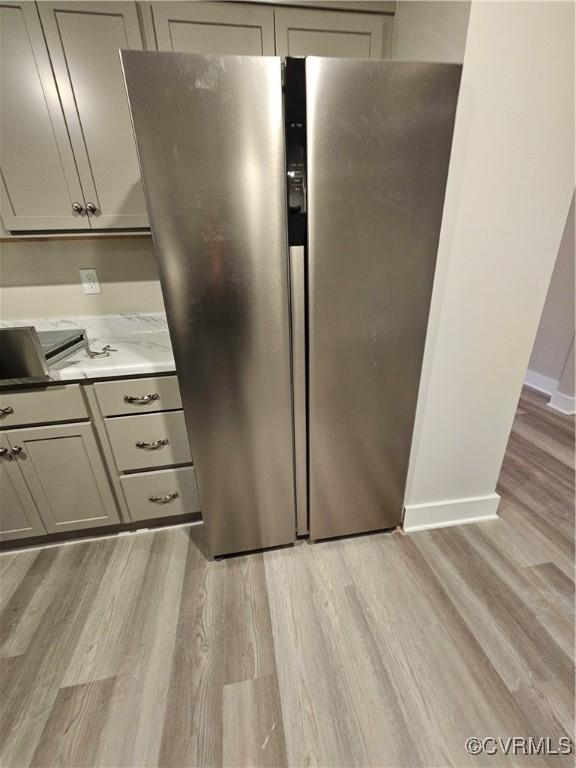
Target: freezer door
pixel 209 131
pixel 379 137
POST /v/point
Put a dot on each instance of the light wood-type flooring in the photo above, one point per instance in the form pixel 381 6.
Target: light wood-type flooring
pixel 383 650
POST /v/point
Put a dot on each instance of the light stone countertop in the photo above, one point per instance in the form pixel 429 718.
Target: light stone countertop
pixel 141 345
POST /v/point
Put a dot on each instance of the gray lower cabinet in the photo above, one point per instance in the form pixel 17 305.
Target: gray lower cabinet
pixel 163 493
pixel 65 474
pixel 147 439
pixel 19 516
pixel 125 397
pixel 23 407
pixel 120 454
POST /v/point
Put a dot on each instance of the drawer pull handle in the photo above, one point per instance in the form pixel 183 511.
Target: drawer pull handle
pixel 6 411
pixel 163 499
pixel 141 399
pixel 152 446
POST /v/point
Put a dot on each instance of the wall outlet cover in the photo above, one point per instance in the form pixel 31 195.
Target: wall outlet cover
pixel 89 278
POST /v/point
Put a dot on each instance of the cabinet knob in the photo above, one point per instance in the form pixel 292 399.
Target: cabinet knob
pixel 91 208
pixel 77 207
pixel 11 453
pixel 6 411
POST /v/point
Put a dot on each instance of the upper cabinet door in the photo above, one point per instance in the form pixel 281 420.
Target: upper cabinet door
pixel 224 28
pixel 38 179
pixel 83 40
pixel 332 33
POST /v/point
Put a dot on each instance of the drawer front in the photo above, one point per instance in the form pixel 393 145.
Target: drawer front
pixel 157 393
pixel 42 406
pixel 151 440
pixel 163 493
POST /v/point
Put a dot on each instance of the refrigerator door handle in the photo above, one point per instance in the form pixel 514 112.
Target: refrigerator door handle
pixel 298 328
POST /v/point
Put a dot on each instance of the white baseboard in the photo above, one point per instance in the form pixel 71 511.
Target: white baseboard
pixel 539 382
pixel 441 514
pixel 563 403
pixel 548 386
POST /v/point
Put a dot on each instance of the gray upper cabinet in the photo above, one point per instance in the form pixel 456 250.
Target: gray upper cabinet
pixel 68 157
pixel 18 514
pixel 39 182
pixel 83 41
pixel 225 28
pixel 305 32
pixel 65 475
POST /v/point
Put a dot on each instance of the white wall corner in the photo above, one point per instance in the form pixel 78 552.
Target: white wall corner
pixel 540 383
pixel 563 403
pixel 442 514
pixel 482 327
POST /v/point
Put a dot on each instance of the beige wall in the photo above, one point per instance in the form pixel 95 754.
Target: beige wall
pixel 556 329
pixel 509 188
pixel 39 278
pixel 430 30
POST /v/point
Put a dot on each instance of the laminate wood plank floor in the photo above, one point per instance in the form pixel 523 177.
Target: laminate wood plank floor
pixel 382 650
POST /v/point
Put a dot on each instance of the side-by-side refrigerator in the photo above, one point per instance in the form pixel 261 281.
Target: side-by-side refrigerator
pixel 295 208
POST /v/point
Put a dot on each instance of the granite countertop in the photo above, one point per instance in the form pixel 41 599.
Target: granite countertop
pixel 141 345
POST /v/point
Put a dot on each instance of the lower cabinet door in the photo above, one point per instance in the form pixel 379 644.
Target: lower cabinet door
pixel 18 514
pixel 65 473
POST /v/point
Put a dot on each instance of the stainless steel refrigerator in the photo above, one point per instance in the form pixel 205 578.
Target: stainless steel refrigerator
pixel 295 208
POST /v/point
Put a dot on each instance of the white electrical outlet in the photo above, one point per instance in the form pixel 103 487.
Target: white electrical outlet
pixel 89 278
